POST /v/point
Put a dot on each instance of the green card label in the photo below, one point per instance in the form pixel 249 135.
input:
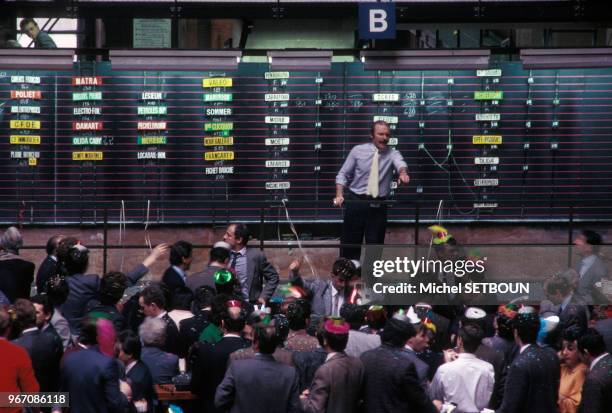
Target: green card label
pixel 488 95
pixel 77 96
pixel 152 110
pixel 218 126
pixel 152 140
pixel 218 97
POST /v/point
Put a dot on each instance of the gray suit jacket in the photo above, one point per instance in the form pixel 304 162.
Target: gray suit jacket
pixel 337 386
pixel 258 270
pixel 258 384
pixel 597 388
pixel 421 368
pixel 44 41
pixel 595 273
pixel 320 292
pixel 202 278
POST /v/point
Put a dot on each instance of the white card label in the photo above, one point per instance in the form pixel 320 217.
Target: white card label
pixel 276 97
pixel 277 141
pixel 277 185
pixel 489 73
pixel 278 164
pixel 486 160
pixel 276 75
pixel 25 109
pixel 486 182
pixel 277 119
pixel 488 116
pixel 388 119
pixel 385 97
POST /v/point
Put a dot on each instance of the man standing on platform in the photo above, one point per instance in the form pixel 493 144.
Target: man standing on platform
pixel 369 169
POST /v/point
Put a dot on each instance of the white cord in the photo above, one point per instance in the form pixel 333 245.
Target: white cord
pixel 439 218
pixel 121 229
pixel 304 254
pixel 147 238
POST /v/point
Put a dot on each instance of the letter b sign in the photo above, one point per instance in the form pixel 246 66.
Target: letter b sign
pixel 377 20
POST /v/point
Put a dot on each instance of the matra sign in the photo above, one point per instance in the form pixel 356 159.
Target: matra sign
pixel 377 20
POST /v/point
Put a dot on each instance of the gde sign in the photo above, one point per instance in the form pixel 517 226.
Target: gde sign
pixel 377 20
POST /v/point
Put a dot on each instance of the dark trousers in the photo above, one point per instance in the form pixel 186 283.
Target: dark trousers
pixel 362 218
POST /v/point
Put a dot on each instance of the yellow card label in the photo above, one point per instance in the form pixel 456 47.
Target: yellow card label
pixel 87 156
pixel 219 141
pixel 219 156
pixel 25 139
pixel 32 161
pixel 25 124
pixel 217 82
pixel 486 139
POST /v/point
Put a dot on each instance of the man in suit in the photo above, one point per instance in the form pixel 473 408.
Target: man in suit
pixel 136 372
pixel 16 274
pixel 112 287
pixel 44 349
pixel 251 266
pixel 42 40
pixel 604 326
pixel 162 365
pixel 327 296
pixel 153 304
pixel 307 363
pixel 337 384
pixel 181 256
pixel 416 343
pixel 191 328
pixel 92 379
pixel 591 268
pixel 532 382
pixel 16 374
pixel 209 361
pixel 391 383
pixel 358 342
pixel 259 384
pixel 299 340
pixel 57 291
pixel 597 388
pixel 44 313
pixel 219 259
pixel 48 268
pixel 569 307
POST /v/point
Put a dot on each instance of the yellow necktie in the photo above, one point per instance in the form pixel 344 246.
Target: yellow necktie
pixel 373 178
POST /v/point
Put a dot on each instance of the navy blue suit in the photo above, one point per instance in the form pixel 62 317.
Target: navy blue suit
pixel 172 279
pixel 140 379
pixel 84 295
pixel 92 379
pixel 47 269
pixel 532 382
pixel 45 350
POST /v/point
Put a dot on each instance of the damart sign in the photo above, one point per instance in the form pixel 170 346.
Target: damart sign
pixel 471 275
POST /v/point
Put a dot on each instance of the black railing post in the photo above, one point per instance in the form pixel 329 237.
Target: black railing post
pixel 261 228
pixel 570 240
pixel 417 218
pixel 105 241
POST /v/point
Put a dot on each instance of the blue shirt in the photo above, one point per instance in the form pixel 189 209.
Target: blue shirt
pixel 181 273
pixel 356 168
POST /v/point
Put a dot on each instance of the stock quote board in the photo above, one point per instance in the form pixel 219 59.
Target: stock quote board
pixel 502 144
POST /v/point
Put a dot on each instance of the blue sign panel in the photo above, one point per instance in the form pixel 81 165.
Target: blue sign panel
pixel 377 20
